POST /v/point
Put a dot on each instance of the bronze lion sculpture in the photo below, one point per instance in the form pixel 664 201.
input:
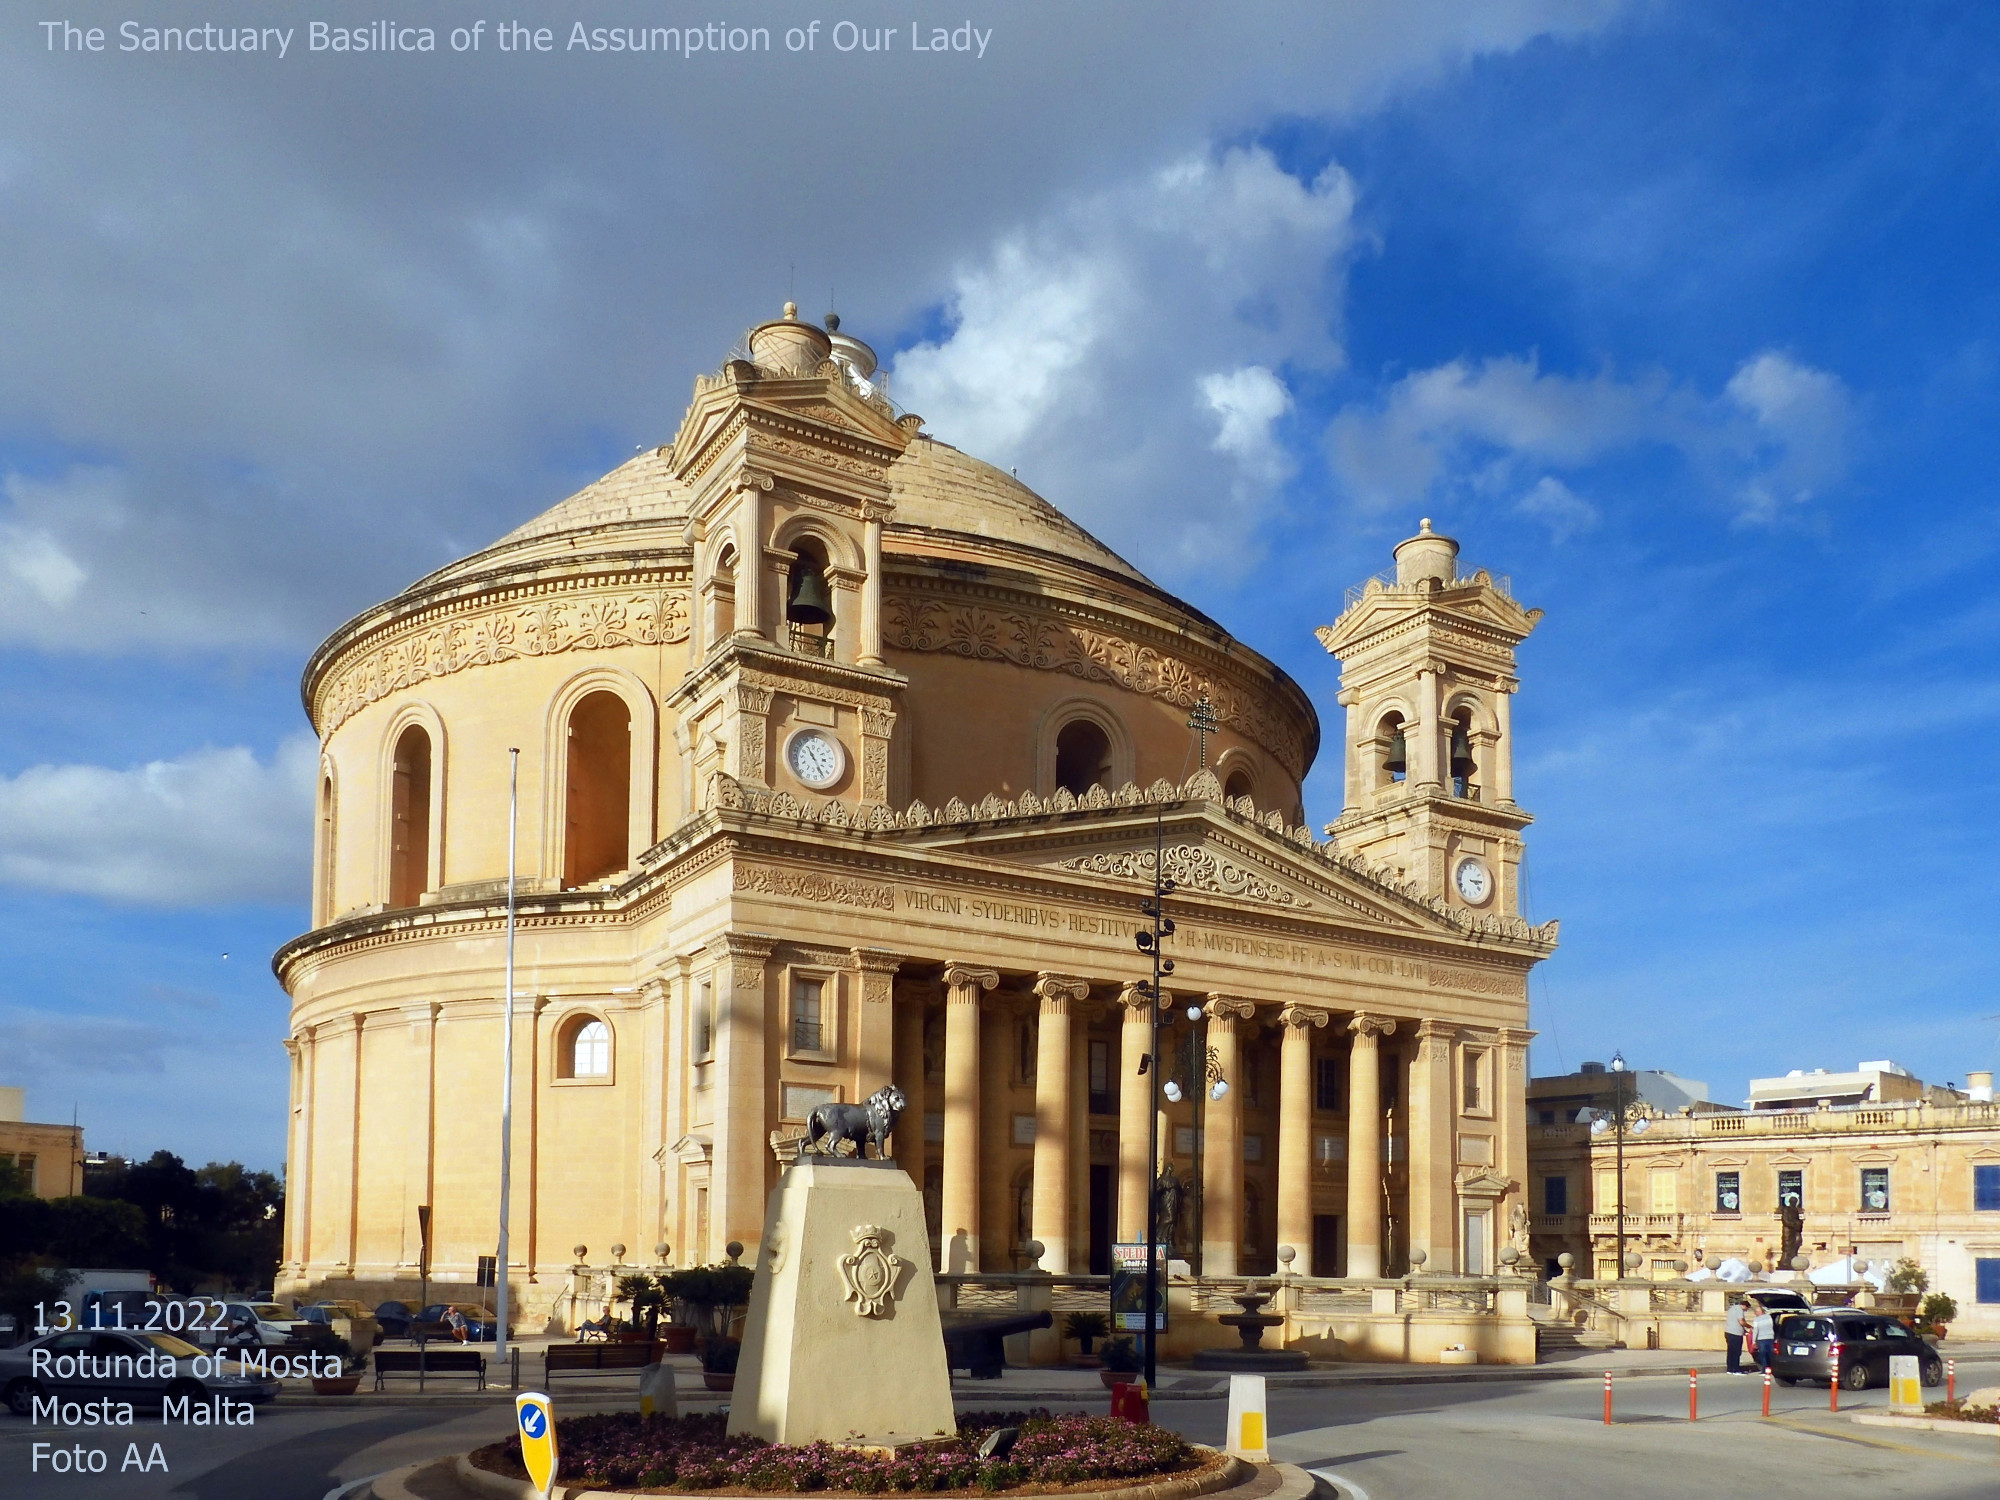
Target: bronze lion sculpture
pixel 873 1121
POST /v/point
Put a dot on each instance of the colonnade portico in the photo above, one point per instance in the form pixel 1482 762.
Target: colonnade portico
pixel 1312 1178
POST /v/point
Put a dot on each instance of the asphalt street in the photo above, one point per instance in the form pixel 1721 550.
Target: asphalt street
pixel 1374 1442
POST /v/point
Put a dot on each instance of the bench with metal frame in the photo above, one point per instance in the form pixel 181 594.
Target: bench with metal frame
pixel 590 1359
pixel 424 1362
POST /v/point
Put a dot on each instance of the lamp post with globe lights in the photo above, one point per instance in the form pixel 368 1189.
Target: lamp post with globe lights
pixel 1625 1112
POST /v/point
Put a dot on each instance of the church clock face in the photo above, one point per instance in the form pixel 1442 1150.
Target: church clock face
pixel 816 758
pixel 1474 883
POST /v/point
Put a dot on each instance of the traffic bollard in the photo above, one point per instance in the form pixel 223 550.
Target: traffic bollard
pixel 1767 1393
pixel 1607 1398
pixel 1833 1385
pixel 1950 1379
pixel 1694 1397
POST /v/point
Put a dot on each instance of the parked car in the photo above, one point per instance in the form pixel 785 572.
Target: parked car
pixel 20 1386
pixel 1803 1349
pixel 394 1319
pixel 357 1315
pixel 275 1324
pixel 480 1325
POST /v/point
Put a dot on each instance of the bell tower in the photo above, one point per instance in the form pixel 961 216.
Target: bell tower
pixel 1427 679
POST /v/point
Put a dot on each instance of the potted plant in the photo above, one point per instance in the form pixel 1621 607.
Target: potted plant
pixel 1936 1313
pixel 1121 1361
pixel 712 1293
pixel 718 1364
pixel 1085 1327
pixel 324 1341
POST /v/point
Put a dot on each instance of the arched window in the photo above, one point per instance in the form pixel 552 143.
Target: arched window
pixel 1238 785
pixel 410 819
pixel 598 808
pixel 1083 756
pixel 325 893
pixel 1464 767
pixel 1392 751
pixel 584 1049
pixel 809 602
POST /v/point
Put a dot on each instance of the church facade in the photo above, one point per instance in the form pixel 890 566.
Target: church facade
pixel 843 759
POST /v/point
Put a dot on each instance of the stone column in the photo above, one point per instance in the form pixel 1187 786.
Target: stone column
pixel 1364 1145
pixel 1433 1207
pixel 295 1156
pixel 871 590
pixel 1135 1102
pixel 1079 1137
pixel 909 1142
pixel 963 987
pixel 1503 753
pixel 874 1025
pixel 750 559
pixel 1222 1142
pixel 354 1152
pixel 743 1031
pixel 1425 772
pixel 1295 1102
pixel 1053 1105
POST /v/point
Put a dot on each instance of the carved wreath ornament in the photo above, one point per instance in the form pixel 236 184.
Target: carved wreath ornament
pixel 871 1273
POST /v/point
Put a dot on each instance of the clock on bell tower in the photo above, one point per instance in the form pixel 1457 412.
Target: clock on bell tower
pixel 1427 678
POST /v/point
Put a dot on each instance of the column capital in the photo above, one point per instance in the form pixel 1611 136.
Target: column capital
pixel 1227 1010
pixel 876 960
pixel 1368 1028
pixel 292 1047
pixel 1136 994
pixel 1514 1036
pixel 1303 1016
pixel 963 982
pixel 747 944
pixel 1060 991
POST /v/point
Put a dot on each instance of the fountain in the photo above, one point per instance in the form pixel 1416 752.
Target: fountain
pixel 1250 1325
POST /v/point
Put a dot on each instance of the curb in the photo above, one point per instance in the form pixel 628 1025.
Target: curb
pixel 1986 1432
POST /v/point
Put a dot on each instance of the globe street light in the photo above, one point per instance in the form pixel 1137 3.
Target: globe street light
pixel 1640 1123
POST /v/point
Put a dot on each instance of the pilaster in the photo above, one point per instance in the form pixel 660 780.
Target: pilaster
pixel 1433 1207
pixel 743 1022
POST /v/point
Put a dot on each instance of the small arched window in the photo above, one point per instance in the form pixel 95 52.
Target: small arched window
pixel 597 829
pixel 1392 751
pixel 809 602
pixel 326 865
pixel 1238 785
pixel 1083 756
pixel 1464 766
pixel 586 1050
pixel 410 819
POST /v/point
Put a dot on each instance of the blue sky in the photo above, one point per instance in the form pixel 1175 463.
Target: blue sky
pixel 1683 316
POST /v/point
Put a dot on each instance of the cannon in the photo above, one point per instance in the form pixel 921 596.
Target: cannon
pixel 973 1344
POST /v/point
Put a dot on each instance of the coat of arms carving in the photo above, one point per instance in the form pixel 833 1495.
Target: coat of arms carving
pixel 871 1272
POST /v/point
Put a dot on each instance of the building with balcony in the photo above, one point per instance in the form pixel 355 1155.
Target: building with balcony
pixel 844 759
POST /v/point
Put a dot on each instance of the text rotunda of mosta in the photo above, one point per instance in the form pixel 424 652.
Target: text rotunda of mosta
pixel 843 758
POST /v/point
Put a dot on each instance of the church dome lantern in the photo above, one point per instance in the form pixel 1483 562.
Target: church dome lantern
pixel 1426 555
pixel 788 347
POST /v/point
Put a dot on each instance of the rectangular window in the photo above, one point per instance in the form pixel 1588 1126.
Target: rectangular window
pixel 1792 1188
pixel 1326 1091
pixel 1555 1195
pixel 1101 1102
pixel 1874 1190
pixel 1664 1193
pixel 1986 1189
pixel 1607 1193
pixel 704 1021
pixel 1474 1064
pixel 1986 1279
pixel 1548 1117
pixel 1729 1192
pixel 27 1166
pixel 808 1033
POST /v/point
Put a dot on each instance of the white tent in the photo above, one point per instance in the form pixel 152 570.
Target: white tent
pixel 1847 1271
pixel 1733 1270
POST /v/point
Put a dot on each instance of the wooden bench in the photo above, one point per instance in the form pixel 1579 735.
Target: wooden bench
pixel 583 1359
pixel 425 1362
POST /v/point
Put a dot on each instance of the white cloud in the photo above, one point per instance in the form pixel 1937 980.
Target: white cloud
pixel 1775 436
pixel 1123 353
pixel 1559 507
pixel 214 826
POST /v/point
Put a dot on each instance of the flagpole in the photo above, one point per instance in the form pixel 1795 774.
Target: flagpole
pixel 507 1064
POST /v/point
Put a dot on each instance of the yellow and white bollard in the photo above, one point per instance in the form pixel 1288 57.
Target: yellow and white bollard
pixel 656 1391
pixel 1906 1386
pixel 1248 1439
pixel 537 1422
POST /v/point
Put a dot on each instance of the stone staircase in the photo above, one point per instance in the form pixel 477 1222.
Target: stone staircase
pixel 1553 1339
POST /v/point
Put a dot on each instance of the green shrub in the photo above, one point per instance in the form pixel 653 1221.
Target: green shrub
pixel 1938 1307
pixel 1907 1276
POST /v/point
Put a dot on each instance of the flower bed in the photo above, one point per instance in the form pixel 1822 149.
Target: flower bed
pixel 1958 1411
pixel 681 1455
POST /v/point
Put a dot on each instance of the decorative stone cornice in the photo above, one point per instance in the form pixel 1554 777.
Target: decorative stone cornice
pixel 1191 868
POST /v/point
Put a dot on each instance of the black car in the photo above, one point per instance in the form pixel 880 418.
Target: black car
pixel 394 1319
pixel 1803 1349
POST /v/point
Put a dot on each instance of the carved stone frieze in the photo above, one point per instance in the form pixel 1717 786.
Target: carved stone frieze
pixel 836 890
pixel 1191 867
pixel 582 621
pixel 1032 638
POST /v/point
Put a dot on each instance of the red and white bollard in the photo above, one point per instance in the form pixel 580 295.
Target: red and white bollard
pixel 1694 1397
pixel 1767 1393
pixel 1833 1386
pixel 1607 1398
pixel 1950 1378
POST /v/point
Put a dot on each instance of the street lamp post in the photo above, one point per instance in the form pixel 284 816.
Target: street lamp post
pixel 1621 1107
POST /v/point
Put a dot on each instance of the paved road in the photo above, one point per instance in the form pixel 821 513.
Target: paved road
pixel 1381 1442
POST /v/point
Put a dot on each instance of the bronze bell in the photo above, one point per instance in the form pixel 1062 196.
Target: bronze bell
pixel 809 604
pixel 1398 762
pixel 1462 765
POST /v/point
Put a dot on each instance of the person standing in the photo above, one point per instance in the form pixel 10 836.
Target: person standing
pixel 1733 1323
pixel 1764 1330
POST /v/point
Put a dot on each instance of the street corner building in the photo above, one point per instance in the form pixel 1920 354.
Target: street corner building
pixel 844 757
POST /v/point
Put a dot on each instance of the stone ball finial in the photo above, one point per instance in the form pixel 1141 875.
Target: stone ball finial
pixel 1631 1260
pixel 1510 1255
pixel 1035 1250
pixel 832 321
pixel 1756 1267
pixel 1286 1255
pixel 1680 1268
pixel 734 1250
pixel 1565 1260
pixel 1801 1262
pixel 792 311
pixel 662 1250
pixel 617 1254
pixel 581 1251
pixel 1418 1257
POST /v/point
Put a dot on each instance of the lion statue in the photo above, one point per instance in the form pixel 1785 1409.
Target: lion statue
pixel 874 1121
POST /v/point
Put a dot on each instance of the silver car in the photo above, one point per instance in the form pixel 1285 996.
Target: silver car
pixel 109 1365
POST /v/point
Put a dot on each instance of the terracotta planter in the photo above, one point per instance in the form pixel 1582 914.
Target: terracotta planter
pixel 717 1382
pixel 1119 1377
pixel 678 1338
pixel 335 1385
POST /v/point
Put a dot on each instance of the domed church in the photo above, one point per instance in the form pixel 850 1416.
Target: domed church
pixel 843 759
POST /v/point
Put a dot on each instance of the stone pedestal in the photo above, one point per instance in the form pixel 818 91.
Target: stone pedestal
pixel 843 1341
